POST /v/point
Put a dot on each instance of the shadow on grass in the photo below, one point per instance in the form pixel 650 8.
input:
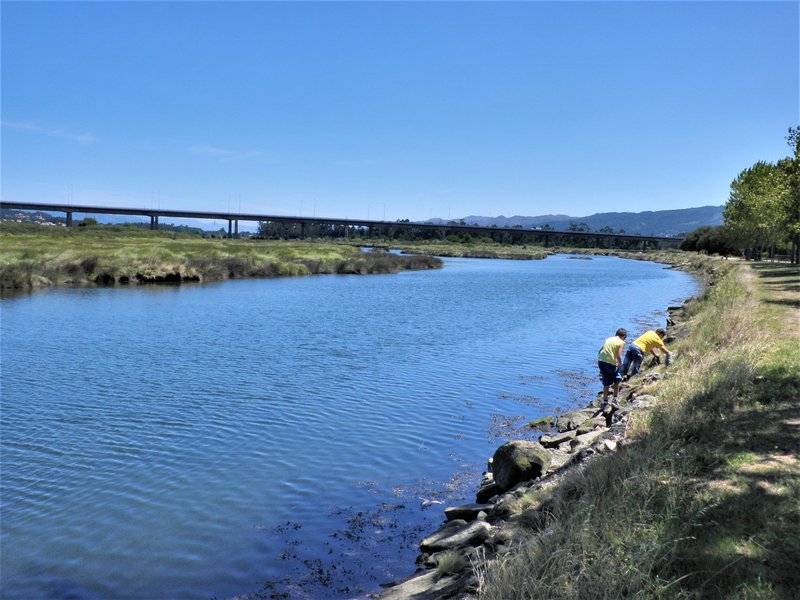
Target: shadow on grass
pixel 789 303
pixel 745 538
pixel 774 270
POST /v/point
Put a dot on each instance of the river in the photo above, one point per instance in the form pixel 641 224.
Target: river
pixel 283 435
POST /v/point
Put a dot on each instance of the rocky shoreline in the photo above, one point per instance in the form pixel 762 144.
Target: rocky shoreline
pixel 523 482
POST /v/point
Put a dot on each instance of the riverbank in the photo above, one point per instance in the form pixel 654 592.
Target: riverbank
pixel 689 489
pixel 474 250
pixel 39 257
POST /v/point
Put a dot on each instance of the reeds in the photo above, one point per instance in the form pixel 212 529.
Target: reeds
pixel 59 257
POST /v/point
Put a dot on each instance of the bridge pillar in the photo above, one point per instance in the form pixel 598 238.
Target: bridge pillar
pixel 236 231
pixel 153 222
pixel 230 228
pixel 302 230
pixel 69 219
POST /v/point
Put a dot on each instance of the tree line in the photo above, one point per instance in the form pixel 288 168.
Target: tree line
pixel 517 235
pixel 762 214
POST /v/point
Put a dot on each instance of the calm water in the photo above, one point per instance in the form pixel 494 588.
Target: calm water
pixel 280 435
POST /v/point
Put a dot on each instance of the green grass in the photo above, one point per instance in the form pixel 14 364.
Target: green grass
pixel 474 250
pixel 704 502
pixel 40 256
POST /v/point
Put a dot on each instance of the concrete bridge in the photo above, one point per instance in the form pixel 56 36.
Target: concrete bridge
pixel 233 220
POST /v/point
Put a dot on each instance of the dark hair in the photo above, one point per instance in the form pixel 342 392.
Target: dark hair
pixel 661 332
pixel 622 332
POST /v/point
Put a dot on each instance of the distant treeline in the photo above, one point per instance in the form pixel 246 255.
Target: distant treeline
pixel 762 215
pixel 517 236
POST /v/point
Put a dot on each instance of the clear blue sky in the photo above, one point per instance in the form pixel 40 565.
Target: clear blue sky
pixel 394 110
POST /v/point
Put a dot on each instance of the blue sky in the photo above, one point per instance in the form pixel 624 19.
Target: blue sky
pixel 394 110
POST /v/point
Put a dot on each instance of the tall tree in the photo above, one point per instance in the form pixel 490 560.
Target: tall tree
pixel 791 209
pixel 756 212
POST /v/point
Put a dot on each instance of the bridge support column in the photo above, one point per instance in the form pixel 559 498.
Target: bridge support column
pixel 153 222
pixel 230 228
pixel 236 230
pixel 302 230
pixel 69 219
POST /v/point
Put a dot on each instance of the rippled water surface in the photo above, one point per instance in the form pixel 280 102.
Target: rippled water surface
pixel 281 436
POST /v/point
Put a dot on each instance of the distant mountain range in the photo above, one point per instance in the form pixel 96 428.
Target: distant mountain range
pixel 651 222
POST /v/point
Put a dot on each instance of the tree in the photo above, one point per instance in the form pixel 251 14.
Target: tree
pixel 712 240
pixel 579 227
pixel 755 213
pixel 791 168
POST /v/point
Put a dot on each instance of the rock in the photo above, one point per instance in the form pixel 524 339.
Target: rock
pixel 467 512
pixel 591 424
pixel 543 424
pixel 573 419
pixel 487 492
pixel 559 460
pixel 554 441
pixel 519 461
pixel 428 585
pixel 588 438
pixel 606 447
pixel 643 401
pixel 456 534
pixel 651 378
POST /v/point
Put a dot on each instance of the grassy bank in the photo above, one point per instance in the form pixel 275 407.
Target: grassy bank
pixel 38 256
pixel 704 499
pixel 473 250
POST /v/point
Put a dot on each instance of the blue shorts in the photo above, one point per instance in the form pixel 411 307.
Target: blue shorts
pixel 608 373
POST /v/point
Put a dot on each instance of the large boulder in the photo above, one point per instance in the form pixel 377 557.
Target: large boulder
pixel 518 461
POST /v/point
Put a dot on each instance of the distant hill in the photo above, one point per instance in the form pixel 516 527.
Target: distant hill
pixel 25 216
pixel 651 222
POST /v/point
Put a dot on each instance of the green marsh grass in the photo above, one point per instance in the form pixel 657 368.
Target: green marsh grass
pixel 39 256
pixel 476 249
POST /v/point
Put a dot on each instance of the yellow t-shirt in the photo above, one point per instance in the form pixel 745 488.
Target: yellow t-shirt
pixel 610 350
pixel 649 340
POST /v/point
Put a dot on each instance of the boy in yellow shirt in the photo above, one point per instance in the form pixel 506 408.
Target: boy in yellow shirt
pixel 609 360
pixel 648 342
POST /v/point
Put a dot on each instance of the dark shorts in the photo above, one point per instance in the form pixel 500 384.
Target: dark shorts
pixel 608 373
